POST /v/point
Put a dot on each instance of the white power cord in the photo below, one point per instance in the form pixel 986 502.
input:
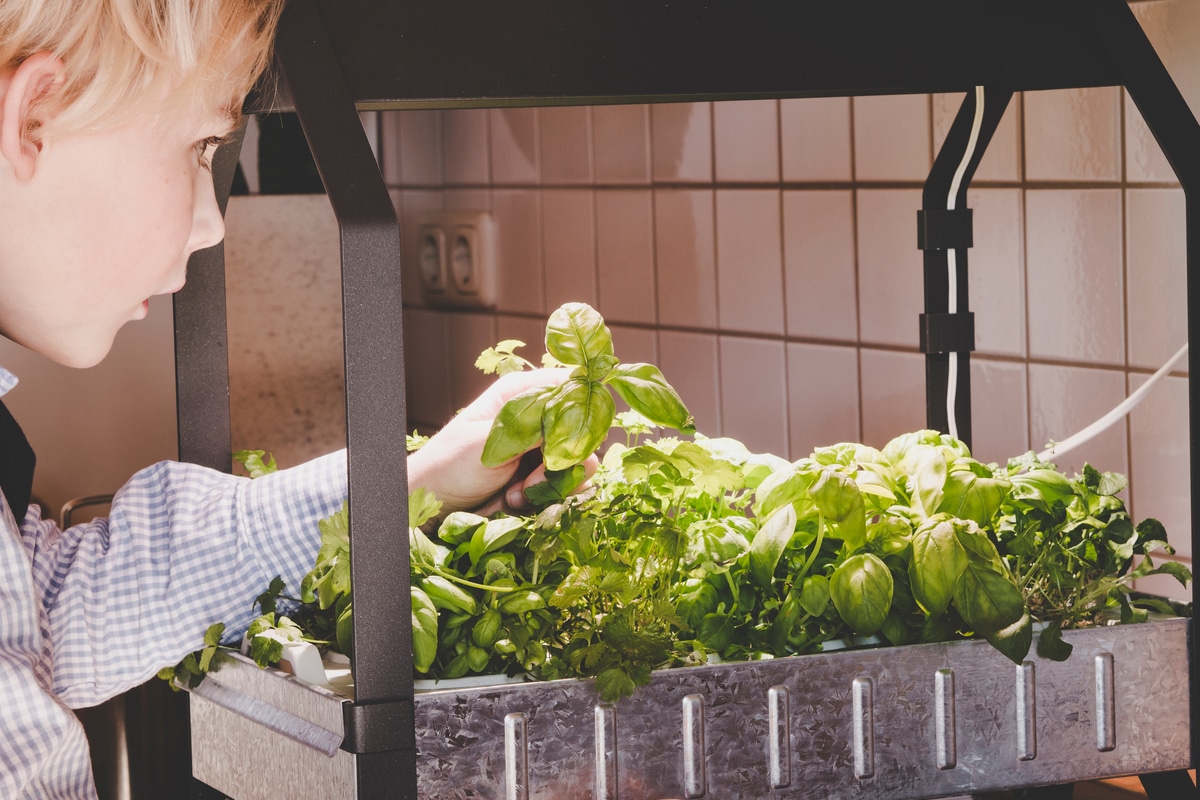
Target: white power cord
pixel 1105 422
pixel 952 260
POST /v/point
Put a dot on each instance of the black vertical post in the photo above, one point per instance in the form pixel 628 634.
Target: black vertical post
pixel 940 232
pixel 1175 129
pixel 379 724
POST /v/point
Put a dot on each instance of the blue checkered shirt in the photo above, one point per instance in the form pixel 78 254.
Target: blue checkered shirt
pixel 88 612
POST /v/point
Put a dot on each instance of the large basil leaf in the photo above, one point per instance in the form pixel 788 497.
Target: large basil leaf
pixel 839 500
pixel 576 334
pixel 938 560
pixel 576 421
pixel 787 485
pixel 861 590
pixel 424 630
pixel 769 543
pixel 814 595
pixel 518 427
pixel 926 467
pixel 971 497
pixel 1013 641
pixel 647 392
pixel 1042 488
pixel 986 596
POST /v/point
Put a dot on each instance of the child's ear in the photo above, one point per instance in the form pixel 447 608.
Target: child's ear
pixel 37 77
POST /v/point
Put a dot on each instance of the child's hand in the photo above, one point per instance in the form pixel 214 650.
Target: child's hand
pixel 449 463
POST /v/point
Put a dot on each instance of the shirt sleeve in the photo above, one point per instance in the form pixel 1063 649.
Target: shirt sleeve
pixel 183 547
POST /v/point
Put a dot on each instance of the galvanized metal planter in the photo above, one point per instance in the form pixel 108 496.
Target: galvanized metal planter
pixel 903 722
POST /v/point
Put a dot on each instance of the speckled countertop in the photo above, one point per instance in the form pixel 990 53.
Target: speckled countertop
pixel 283 284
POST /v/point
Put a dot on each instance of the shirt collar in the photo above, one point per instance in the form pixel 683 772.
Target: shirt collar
pixel 7 381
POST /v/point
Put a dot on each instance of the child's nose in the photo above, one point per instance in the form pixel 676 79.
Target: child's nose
pixel 208 226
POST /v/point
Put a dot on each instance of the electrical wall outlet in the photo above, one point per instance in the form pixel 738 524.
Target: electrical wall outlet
pixel 458 259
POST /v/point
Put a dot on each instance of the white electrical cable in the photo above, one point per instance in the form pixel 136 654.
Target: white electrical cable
pixel 952 260
pixel 1102 424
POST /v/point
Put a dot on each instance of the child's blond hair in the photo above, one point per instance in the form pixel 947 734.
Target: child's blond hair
pixel 130 59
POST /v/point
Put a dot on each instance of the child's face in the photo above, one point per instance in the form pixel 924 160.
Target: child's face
pixel 105 221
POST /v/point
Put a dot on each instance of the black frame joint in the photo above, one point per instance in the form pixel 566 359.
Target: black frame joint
pixel 944 229
pixel 948 333
pixel 379 727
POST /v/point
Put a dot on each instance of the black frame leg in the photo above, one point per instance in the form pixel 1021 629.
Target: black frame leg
pixel 1169 785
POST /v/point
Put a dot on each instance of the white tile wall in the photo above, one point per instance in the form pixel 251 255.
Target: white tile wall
pixel 890 267
pixel 819 264
pixel 625 255
pixel 689 362
pixel 746 140
pixel 514 145
pixel 1156 272
pixel 465 141
pixel 566 144
pixel 749 261
pixel 622 137
pixel 686 257
pixel 681 138
pixel 569 246
pixel 1076 292
pixel 764 253
pixel 815 139
pixel 1065 399
pixel 1073 134
pixel 754 404
pixel 822 396
pixel 892 138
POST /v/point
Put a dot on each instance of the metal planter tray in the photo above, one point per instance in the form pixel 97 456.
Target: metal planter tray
pixel 905 722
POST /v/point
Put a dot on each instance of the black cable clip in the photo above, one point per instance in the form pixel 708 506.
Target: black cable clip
pixel 944 229
pixel 948 333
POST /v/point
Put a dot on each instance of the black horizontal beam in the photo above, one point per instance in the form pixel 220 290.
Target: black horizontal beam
pixel 447 53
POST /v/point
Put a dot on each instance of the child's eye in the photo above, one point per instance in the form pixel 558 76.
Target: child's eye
pixel 205 148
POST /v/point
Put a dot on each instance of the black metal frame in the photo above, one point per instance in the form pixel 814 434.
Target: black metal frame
pixel 335 57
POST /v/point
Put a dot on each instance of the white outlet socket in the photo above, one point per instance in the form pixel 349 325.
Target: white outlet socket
pixel 457 253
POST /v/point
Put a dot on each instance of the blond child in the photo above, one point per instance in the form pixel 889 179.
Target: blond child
pixel 110 111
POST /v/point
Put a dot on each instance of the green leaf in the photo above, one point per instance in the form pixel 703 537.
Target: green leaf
pixel 415 441
pixel 938 560
pixel 254 463
pixel 267 600
pixel 517 428
pixel 265 650
pixel 1015 640
pixel 768 544
pixel 576 421
pixel 838 498
pixel 715 631
pixel 502 358
pixel 557 487
pixel 861 590
pixel 1042 488
pixel 985 596
pixel 459 526
pixel 814 596
pixel 971 497
pixel 212 636
pixel 493 535
pixel 447 594
pixel 926 467
pixel 576 334
pixel 422 507
pixel 1051 645
pixel 424 630
pixel 613 684
pixel 344 630
pixel 647 392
